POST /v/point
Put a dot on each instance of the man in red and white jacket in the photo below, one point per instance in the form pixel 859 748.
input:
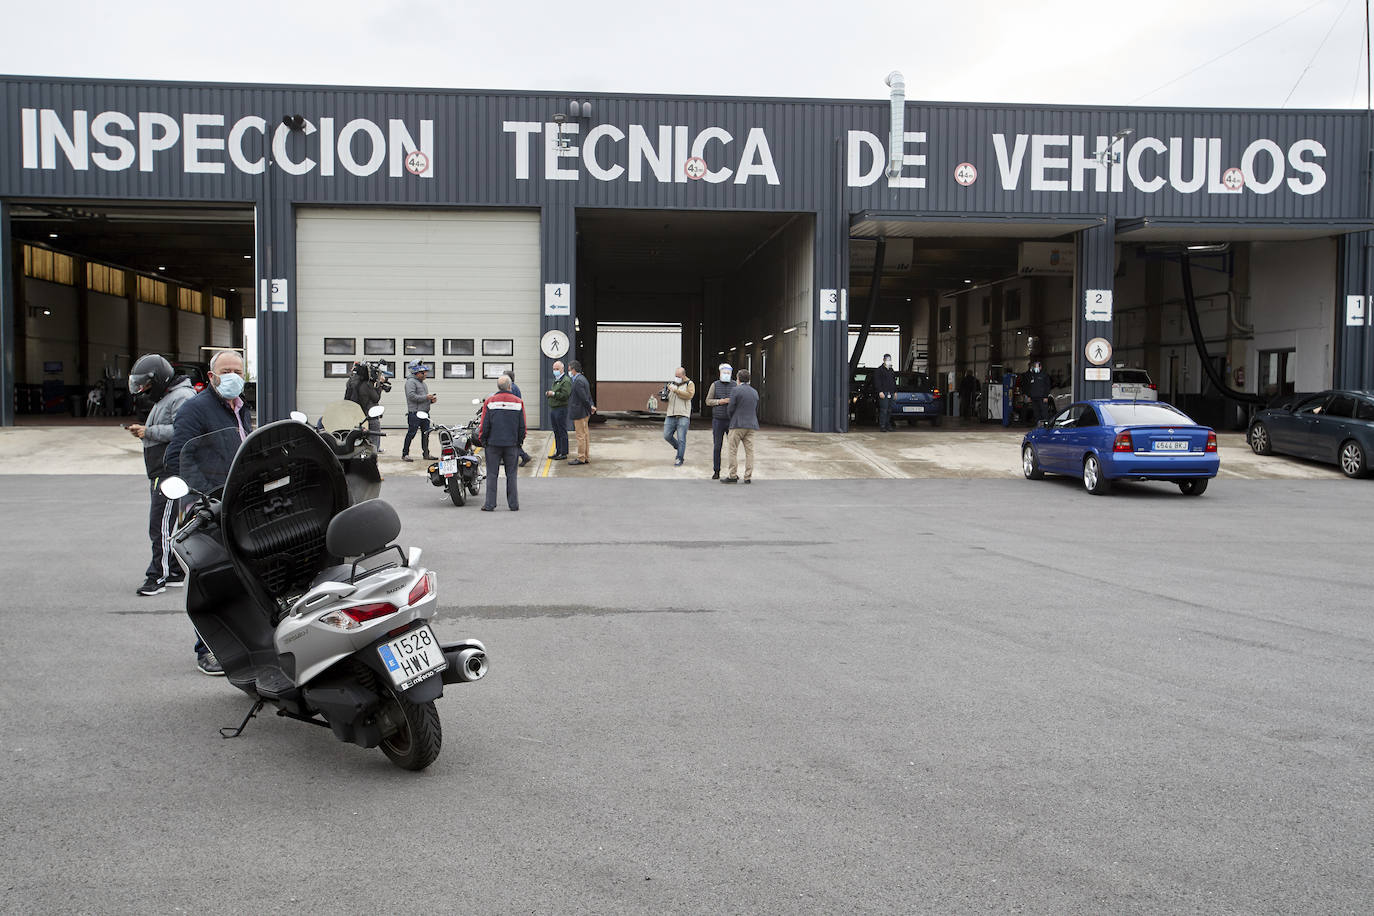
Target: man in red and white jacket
pixel 501 433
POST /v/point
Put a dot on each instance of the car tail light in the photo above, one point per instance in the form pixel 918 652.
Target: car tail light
pixel 1152 386
pixel 350 617
pixel 1211 441
pixel 936 392
pixel 1123 442
pixel 423 587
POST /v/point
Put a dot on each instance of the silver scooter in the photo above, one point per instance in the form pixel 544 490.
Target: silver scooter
pixel 307 602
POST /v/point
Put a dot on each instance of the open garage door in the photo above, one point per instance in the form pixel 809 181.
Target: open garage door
pixel 986 296
pixel 740 285
pixel 458 290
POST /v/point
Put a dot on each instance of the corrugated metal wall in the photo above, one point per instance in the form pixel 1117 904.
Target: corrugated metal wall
pixel 100 139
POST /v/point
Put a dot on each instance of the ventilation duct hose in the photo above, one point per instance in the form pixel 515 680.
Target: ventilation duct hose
pixel 1190 301
pixel 897 83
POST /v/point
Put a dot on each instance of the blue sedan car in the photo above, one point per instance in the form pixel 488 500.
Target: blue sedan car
pixel 1102 441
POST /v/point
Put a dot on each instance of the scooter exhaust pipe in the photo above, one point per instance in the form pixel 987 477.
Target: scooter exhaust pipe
pixel 472 664
pixel 466 662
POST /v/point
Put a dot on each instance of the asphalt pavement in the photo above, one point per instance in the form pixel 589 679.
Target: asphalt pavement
pixel 801 696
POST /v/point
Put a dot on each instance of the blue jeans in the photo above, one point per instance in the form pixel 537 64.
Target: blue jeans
pixel 675 433
pixel 884 412
pixel 558 420
pixel 415 423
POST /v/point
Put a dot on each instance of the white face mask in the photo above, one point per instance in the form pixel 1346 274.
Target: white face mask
pixel 725 375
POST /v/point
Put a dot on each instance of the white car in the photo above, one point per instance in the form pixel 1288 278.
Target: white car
pixel 1133 385
pixel 1128 384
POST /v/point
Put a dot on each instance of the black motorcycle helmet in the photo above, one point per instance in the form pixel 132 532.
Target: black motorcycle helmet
pixel 150 376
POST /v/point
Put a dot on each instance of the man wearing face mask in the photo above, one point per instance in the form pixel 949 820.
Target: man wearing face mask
pixel 681 390
pixel 558 411
pixel 718 399
pixel 1038 390
pixel 219 406
pixel 885 385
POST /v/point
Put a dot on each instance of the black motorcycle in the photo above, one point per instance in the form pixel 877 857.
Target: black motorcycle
pixel 459 468
pixel 344 428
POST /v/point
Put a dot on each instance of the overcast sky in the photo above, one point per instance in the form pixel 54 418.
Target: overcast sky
pixel 1293 53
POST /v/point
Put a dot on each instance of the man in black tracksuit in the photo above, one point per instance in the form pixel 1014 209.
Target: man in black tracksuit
pixel 501 433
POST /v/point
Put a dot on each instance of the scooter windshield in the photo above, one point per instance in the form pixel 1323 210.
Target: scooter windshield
pixel 206 459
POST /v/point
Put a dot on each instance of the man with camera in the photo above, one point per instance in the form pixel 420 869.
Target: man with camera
pixel 677 395
pixel 365 388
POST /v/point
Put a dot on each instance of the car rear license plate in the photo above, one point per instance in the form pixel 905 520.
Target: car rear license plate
pixel 915 409
pixel 1171 445
pixel 448 467
pixel 412 658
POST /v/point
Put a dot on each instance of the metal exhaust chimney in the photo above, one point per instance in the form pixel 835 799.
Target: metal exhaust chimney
pixel 897 83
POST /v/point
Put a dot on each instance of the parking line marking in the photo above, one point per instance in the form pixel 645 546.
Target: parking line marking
pixel 548 459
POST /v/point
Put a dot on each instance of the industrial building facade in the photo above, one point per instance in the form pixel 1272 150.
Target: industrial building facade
pixel 1217 249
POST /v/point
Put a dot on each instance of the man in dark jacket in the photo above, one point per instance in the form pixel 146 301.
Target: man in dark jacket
pixel 220 406
pixel 1038 390
pixel 744 422
pixel 365 389
pixel 580 409
pixel 885 386
pixel 515 390
pixel 718 399
pixel 968 392
pixel 558 410
pixel 501 433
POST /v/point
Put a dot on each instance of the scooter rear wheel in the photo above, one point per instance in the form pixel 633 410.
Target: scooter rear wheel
pixel 415 745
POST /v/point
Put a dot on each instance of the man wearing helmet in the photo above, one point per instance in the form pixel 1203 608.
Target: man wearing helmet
pixel 152 379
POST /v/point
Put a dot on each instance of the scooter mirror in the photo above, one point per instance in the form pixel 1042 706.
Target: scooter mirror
pixel 422 414
pixel 376 410
pixel 299 416
pixel 174 488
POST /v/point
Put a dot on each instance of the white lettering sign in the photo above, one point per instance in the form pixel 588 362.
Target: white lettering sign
pixel 114 141
pixel 1098 305
pixel 830 304
pixel 1354 311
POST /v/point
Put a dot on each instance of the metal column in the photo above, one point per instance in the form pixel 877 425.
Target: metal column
pixel 8 284
pixel 1096 263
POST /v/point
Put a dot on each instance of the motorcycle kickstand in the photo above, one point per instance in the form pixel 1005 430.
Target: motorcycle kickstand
pixel 230 732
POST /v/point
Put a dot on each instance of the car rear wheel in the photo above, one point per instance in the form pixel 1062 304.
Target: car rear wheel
pixel 1259 440
pixel 1352 459
pixel 1094 481
pixel 1193 487
pixel 1030 463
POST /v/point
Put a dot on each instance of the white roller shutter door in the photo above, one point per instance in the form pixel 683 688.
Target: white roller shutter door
pixel 423 275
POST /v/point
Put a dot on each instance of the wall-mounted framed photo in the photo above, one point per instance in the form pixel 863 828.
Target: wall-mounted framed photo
pixel 458 346
pixel 496 370
pixel 458 370
pixel 498 347
pixel 379 346
pixel 338 368
pixel 340 346
pixel 419 346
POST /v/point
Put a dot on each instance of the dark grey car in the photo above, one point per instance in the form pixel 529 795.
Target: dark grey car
pixel 1336 427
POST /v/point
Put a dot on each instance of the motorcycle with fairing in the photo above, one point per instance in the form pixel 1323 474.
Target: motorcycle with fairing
pixel 305 598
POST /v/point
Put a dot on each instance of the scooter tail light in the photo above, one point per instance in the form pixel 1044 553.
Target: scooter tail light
pixel 424 586
pixel 446 452
pixel 1211 441
pixel 1123 442
pixel 349 618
